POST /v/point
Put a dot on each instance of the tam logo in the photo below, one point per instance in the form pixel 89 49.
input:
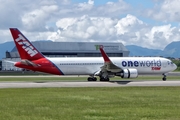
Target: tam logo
pixel 156 68
pixel 99 46
pixel 26 45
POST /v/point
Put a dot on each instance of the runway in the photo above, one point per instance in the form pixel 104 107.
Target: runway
pixel 66 83
pixel 87 84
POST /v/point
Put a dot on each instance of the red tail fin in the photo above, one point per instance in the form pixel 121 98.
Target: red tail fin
pixel 25 48
pixel 104 55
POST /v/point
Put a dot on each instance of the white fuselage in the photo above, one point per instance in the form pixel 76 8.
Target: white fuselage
pixel 90 65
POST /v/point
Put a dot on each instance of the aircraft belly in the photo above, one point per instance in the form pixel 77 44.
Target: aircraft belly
pixel 78 70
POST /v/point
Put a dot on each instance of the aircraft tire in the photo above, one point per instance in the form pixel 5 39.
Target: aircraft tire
pixel 101 79
pixel 164 79
pixel 92 79
pixel 104 79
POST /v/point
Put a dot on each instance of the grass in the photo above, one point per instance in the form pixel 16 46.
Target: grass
pixel 123 103
pixel 130 103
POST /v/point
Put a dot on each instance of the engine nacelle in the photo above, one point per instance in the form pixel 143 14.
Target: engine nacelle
pixel 130 73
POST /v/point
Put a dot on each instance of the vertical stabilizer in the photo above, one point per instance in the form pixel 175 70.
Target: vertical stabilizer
pixel 25 48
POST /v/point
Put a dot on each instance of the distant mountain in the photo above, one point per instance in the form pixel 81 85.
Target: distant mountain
pixel 141 51
pixel 172 50
pixel 7 46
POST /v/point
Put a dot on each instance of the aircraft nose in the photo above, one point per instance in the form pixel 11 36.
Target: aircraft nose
pixel 174 66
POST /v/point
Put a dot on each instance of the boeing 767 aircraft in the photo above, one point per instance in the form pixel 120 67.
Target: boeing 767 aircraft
pixel 104 67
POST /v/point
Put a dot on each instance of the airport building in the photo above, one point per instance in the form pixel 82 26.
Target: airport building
pixel 68 49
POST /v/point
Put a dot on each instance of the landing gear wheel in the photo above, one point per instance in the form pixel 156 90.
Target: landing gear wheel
pixel 104 79
pixel 164 77
pixel 92 79
pixel 101 79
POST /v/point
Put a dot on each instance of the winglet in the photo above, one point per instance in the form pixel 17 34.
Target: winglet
pixel 25 48
pixel 104 55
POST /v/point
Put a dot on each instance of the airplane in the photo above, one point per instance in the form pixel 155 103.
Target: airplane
pixel 104 67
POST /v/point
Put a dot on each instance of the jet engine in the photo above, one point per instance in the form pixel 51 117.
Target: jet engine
pixel 128 73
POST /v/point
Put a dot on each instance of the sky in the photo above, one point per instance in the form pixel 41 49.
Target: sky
pixel 146 23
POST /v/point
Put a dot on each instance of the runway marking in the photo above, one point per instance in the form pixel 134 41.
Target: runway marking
pixel 87 84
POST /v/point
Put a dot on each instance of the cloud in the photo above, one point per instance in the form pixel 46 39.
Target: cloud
pixel 86 28
pixel 128 30
pixel 36 19
pixel 86 6
pixel 166 11
pixel 9 14
pixel 160 36
pixel 112 9
pixel 84 21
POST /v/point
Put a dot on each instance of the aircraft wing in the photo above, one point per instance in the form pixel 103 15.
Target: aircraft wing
pixel 109 66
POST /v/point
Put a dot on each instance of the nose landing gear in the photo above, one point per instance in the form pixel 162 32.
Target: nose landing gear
pixel 164 77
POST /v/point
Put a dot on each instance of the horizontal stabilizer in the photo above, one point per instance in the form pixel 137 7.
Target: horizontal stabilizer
pixel 10 61
pixel 29 63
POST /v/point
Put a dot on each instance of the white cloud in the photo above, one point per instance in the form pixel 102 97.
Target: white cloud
pixel 85 6
pixel 128 30
pixel 9 14
pixel 5 36
pixel 86 28
pixel 166 11
pixel 171 9
pixel 67 21
pixel 160 36
pixel 36 19
pixel 112 9
pixel 129 22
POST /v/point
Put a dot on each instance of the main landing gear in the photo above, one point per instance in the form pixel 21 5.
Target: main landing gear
pixel 104 79
pixel 95 79
pixel 164 77
pixel 92 79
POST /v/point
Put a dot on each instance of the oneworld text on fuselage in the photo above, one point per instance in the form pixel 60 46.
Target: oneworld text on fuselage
pixel 142 63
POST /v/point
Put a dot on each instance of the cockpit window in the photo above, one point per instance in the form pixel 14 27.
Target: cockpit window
pixel 170 63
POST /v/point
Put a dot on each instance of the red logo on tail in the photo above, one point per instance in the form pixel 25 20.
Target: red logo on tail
pixel 26 45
